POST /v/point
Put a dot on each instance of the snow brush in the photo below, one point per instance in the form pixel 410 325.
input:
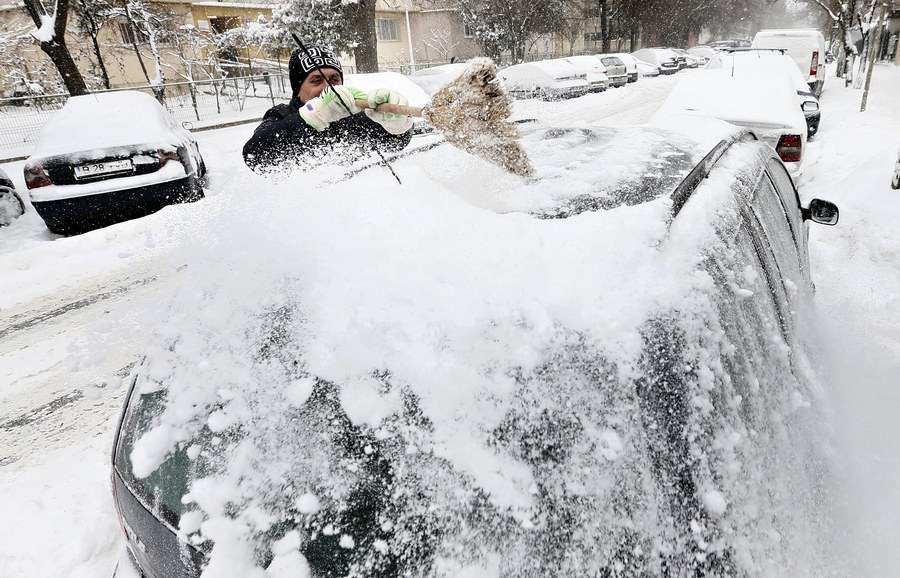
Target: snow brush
pixel 471 113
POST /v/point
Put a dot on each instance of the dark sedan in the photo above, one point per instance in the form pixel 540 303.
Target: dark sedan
pixel 110 157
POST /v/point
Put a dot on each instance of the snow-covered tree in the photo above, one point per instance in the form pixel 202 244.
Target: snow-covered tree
pixel 344 25
pixel 89 17
pixel 501 25
pixel 844 14
pixel 19 74
pixel 152 26
pixel 50 33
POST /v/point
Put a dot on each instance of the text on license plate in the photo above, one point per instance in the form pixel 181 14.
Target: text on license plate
pixel 93 169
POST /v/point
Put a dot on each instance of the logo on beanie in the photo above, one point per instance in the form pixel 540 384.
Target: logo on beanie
pixel 318 56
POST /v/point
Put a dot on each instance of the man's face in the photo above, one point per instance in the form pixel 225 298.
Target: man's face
pixel 313 85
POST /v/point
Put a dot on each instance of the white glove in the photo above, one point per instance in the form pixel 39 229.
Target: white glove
pixel 324 109
pixel 392 122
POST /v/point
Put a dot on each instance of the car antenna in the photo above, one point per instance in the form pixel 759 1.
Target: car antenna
pixel 341 100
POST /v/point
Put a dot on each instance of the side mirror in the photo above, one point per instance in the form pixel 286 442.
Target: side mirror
pixel 822 212
pixel 187 125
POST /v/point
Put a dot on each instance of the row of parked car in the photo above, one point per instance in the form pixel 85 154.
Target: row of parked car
pixel 771 87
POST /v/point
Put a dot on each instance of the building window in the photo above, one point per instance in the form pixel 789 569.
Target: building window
pixel 387 30
pixel 593 37
pixel 222 24
pixel 130 34
pixel 468 30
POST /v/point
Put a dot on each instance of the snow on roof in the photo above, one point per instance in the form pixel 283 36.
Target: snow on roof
pixel 103 120
pixel 555 68
pixel 759 62
pixel 587 60
pixel 752 98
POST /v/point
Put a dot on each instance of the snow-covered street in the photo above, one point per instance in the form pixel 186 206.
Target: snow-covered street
pixel 77 313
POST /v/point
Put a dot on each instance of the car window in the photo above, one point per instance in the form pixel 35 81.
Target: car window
pixel 789 199
pixel 747 312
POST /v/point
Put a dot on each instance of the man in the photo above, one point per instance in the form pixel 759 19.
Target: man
pixel 325 124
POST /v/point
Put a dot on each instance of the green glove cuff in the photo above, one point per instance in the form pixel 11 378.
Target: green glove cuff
pixel 330 96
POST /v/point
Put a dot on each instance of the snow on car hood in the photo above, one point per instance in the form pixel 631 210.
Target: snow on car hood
pixel 104 121
pixel 404 308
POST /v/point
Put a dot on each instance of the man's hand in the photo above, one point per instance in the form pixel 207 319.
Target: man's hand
pixel 326 108
pixel 392 122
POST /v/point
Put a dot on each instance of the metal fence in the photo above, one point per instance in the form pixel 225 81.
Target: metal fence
pixel 198 102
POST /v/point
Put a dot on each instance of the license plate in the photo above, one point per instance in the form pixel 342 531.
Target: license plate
pixel 94 169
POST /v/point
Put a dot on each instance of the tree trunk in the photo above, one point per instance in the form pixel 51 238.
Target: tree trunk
pixel 134 30
pixel 56 47
pixel 363 23
pixel 604 25
pixel 65 64
pixel 94 31
pixel 103 71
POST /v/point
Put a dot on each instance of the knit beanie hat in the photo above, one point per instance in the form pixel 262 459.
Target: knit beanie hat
pixel 301 64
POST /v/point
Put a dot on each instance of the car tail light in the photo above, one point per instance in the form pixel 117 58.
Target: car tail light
pixel 165 156
pixel 814 64
pixel 36 177
pixel 790 148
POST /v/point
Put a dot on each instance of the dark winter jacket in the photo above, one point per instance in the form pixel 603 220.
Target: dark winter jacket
pixel 283 139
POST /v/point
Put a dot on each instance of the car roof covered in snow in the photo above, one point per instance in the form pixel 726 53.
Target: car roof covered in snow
pixel 556 68
pixel 586 60
pixel 759 61
pixel 104 120
pixel 755 98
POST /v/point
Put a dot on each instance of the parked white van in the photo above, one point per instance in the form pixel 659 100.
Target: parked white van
pixel 805 45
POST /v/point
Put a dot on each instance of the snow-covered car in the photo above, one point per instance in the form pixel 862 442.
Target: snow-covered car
pixel 702 53
pixel 630 65
pixel 592 70
pixel 764 102
pixel 731 44
pixel 434 78
pixel 11 206
pixel 776 61
pixel 628 388
pixel 645 69
pixel 895 182
pixel 543 79
pixel 688 59
pixel 665 59
pixel 615 69
pixel 111 157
